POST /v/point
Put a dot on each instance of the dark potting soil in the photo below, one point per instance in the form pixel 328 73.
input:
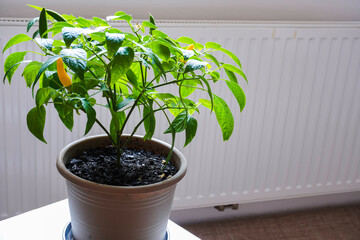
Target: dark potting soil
pixel 138 167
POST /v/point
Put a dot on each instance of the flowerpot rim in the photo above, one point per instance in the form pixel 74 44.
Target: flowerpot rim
pixel 182 167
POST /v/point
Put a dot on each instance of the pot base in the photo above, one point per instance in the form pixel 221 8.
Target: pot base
pixel 67 234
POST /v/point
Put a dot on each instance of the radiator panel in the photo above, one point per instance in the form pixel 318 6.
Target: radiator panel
pixel 299 134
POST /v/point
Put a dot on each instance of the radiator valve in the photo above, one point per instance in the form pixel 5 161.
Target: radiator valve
pixel 222 207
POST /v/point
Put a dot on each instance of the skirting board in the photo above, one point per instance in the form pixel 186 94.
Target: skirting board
pixel 196 215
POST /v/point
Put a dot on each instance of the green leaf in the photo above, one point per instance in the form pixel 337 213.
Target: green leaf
pixel 190 130
pixel 70 34
pixel 100 22
pixel 160 50
pixel 212 58
pixel 238 93
pixel 159 34
pixel 232 56
pixel 187 87
pixel 43 95
pixel 186 40
pixel 30 72
pixel 120 16
pixel 83 22
pixel 234 69
pixel 45 42
pixel 43 24
pixel 187 53
pixel 152 21
pixel 90 113
pixel 178 124
pixel 117 120
pixel 215 76
pixel 131 76
pixel 231 75
pixel 208 90
pixel 35 7
pixel 31 23
pixel 113 42
pixel 57 28
pixel 66 113
pixel 12 63
pixel 56 16
pixel 212 45
pixel 45 65
pixel 124 103
pixel 155 60
pixel 148 24
pixel 224 117
pixel 16 39
pixel 193 65
pixel 50 79
pixel 121 63
pixel 36 122
pixel 149 122
pixel 206 103
pixel 75 60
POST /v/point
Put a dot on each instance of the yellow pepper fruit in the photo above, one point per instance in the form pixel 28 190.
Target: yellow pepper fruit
pixel 63 76
pixel 190 47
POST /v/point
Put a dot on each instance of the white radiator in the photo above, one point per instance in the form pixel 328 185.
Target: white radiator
pixel 299 134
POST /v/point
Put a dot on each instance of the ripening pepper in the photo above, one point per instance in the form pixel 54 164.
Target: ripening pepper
pixel 63 76
pixel 190 47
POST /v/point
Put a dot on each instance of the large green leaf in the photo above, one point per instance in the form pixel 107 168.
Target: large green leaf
pixel 160 50
pixel 43 95
pixel 231 55
pixel 238 93
pixel 149 121
pixel 178 124
pixel 36 122
pixel 45 65
pixel 124 103
pixel 113 42
pixel 121 63
pixel 224 117
pixel 56 15
pixel 193 65
pixel 43 24
pixel 45 42
pixel 58 26
pixel 186 40
pixel 131 76
pixel 234 69
pixel 117 121
pixel 66 113
pixel 148 24
pixel 31 23
pixel 212 58
pixel 30 72
pixel 187 87
pixel 16 39
pixel 90 113
pixel 212 45
pixel 12 62
pixel 152 21
pixel 190 130
pixel 70 34
pixel 75 60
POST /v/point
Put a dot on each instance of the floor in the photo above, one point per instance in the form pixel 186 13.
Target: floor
pixel 335 223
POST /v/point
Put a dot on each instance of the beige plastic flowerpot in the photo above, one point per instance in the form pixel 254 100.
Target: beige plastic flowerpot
pixel 101 211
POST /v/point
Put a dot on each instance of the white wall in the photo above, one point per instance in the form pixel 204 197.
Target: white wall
pixel 289 10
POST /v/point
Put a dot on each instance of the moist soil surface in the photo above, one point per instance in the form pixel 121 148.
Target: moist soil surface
pixel 138 167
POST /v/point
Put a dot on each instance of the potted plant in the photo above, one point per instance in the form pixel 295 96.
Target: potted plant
pixel 140 74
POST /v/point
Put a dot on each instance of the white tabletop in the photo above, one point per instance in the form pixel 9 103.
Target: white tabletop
pixel 47 223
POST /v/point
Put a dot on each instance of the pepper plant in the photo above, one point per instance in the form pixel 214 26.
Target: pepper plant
pixel 130 70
